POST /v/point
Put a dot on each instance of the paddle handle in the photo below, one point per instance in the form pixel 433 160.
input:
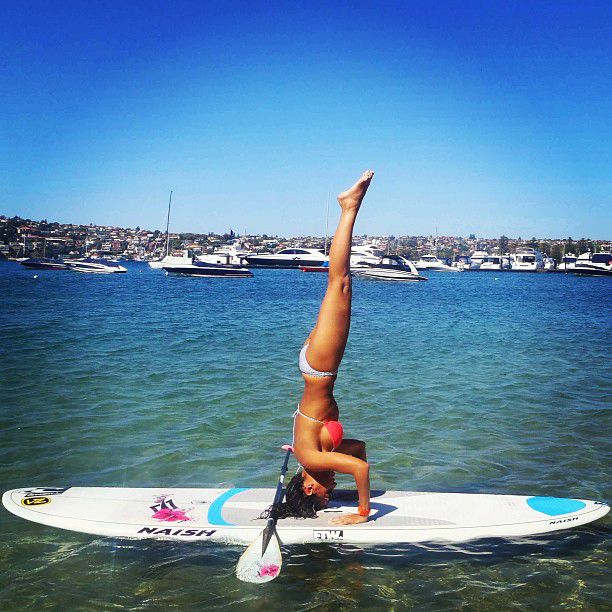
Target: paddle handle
pixel 279 487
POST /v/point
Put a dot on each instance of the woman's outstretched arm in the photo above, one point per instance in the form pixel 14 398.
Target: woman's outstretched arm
pixel 318 461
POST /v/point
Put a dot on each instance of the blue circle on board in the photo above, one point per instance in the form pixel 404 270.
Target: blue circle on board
pixel 554 506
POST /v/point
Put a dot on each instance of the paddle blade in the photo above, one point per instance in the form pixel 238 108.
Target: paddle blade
pixel 257 568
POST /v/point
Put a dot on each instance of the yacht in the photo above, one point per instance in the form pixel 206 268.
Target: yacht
pixel 170 260
pixel 91 265
pixel 431 262
pixel 451 268
pixel 233 252
pixel 549 263
pixel 288 258
pixel 186 258
pixel 159 263
pixel 362 254
pixel 495 263
pixel 44 263
pixel 221 259
pixel 209 270
pixel 568 263
pixel 527 259
pixel 593 264
pixel 389 268
pixel 41 263
pixel 476 259
pixel 462 263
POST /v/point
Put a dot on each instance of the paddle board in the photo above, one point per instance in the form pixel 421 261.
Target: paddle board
pixel 231 516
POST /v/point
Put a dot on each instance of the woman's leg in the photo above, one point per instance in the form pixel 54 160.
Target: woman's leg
pixel 327 340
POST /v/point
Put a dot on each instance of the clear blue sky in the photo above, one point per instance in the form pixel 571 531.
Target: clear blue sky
pixel 478 117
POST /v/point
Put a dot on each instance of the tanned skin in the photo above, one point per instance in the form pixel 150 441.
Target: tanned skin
pixel 326 343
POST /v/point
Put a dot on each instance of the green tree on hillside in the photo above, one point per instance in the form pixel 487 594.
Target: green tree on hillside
pixel 585 245
pixel 556 252
pixel 503 244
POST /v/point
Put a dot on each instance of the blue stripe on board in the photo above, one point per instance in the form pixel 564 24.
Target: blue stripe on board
pixel 554 506
pixel 214 512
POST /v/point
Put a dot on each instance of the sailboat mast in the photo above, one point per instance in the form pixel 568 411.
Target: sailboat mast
pixel 168 226
pixel 436 248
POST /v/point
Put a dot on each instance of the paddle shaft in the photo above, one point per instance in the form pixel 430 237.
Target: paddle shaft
pixel 278 496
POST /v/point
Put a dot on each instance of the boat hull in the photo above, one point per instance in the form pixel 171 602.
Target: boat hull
pixel 43 265
pixel 589 271
pixel 95 266
pixel 285 264
pixel 84 270
pixel 388 276
pixel 209 271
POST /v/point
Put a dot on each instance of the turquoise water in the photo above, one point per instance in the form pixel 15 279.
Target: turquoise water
pixel 472 382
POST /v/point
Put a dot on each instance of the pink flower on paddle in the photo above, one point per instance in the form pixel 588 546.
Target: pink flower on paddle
pixel 269 570
pixel 170 515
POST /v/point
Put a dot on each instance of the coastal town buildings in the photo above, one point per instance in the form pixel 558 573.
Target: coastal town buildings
pixel 26 238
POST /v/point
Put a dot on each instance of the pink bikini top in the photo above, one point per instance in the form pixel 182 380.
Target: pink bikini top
pixel 336 432
pixel 334 428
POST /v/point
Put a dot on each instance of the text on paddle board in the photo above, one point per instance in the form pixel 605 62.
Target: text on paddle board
pixel 177 532
pixel 328 534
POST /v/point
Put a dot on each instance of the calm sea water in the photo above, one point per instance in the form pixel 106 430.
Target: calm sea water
pixel 474 382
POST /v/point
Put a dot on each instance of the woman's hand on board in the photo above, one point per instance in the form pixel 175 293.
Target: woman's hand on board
pixel 348 519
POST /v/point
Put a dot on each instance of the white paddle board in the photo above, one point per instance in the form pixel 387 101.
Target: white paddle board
pixel 231 516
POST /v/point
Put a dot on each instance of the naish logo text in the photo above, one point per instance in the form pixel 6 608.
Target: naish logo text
pixel 198 533
pixel 328 534
pixel 566 520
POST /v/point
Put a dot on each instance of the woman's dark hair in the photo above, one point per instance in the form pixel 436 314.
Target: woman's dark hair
pixel 297 504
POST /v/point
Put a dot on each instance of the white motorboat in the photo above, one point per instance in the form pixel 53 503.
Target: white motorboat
pixel 568 263
pixel 44 263
pixel 549 263
pixel 187 257
pixel 431 262
pixel 184 258
pixel 232 252
pixel 363 254
pixel 462 263
pixel 287 258
pixel 593 264
pixel 495 263
pixel 477 258
pixel 450 268
pixel 389 268
pixel 527 259
pixel 91 265
pixel 209 270
pixel 489 263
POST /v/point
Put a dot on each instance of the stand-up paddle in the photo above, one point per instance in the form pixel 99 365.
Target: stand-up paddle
pixel 262 560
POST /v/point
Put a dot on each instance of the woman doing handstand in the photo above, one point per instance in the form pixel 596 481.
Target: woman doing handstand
pixel 318 437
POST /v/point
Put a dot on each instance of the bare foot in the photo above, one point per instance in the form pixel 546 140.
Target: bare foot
pixel 351 198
